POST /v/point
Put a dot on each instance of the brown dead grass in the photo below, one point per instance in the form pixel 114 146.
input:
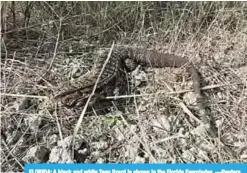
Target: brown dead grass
pixel 156 126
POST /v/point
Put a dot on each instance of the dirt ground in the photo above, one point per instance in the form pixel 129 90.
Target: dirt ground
pixel 157 123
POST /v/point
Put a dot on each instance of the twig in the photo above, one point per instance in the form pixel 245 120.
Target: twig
pixel 12 155
pixel 125 96
pixel 188 112
pixel 56 46
pixel 88 100
pixel 23 95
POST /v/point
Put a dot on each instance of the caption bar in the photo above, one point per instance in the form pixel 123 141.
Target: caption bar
pixel 136 168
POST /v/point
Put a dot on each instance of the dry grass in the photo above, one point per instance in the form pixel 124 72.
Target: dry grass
pixel 159 124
